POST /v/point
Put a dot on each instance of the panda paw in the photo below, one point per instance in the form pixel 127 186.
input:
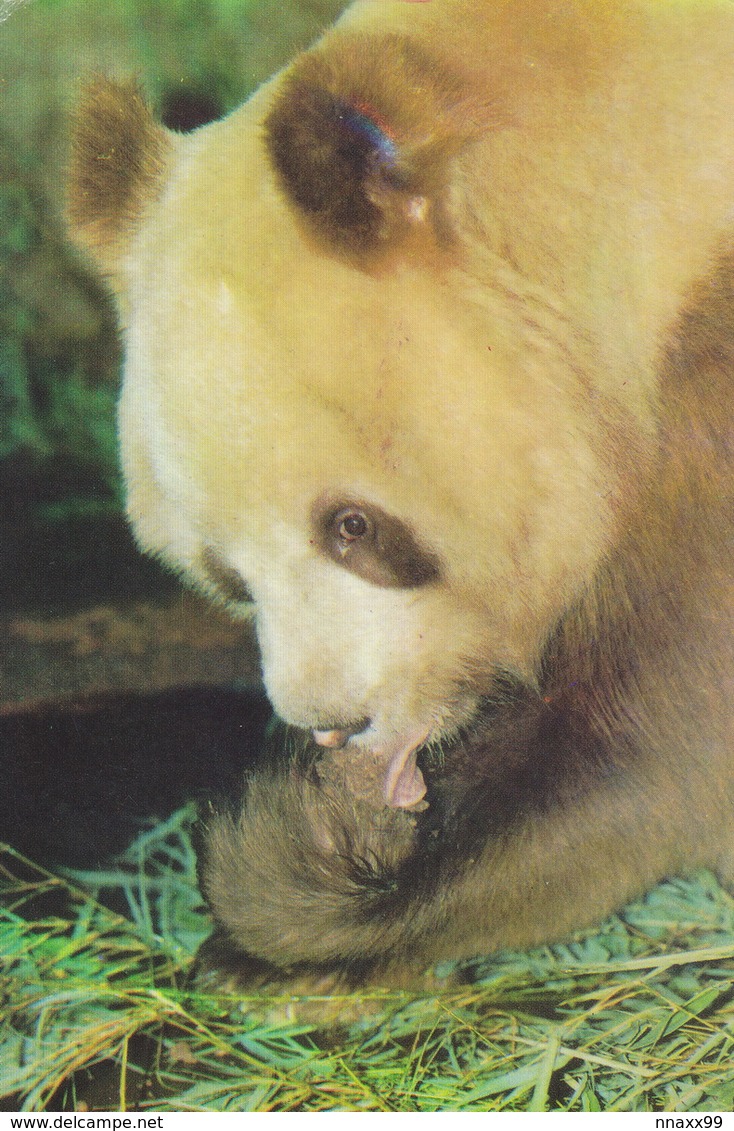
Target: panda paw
pixel 328 999
pixel 303 871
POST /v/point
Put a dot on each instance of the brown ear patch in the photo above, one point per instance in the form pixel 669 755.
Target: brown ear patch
pixel 119 156
pixel 361 135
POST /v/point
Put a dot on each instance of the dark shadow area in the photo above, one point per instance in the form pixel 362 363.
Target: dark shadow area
pixel 78 779
pixel 72 561
pixel 185 109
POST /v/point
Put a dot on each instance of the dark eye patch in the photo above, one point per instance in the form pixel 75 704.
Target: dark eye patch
pixel 226 580
pixel 375 545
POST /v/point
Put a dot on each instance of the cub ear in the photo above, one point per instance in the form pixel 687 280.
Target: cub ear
pixel 361 134
pixel 119 159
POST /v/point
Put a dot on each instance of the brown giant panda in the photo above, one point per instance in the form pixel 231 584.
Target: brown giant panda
pixel 430 362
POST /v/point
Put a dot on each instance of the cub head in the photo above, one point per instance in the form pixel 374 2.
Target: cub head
pixel 340 407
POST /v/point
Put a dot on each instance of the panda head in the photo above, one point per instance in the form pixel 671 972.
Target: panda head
pixel 337 410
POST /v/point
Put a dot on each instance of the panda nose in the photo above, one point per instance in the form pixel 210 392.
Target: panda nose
pixel 337 737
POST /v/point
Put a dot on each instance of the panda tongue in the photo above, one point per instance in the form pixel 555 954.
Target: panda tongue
pixel 403 784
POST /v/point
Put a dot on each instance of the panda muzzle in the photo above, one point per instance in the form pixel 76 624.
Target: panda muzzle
pixel 387 774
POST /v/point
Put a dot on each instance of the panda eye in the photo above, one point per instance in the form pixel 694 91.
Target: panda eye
pixel 372 544
pixel 351 525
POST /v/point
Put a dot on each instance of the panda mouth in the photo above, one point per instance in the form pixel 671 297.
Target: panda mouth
pixel 385 775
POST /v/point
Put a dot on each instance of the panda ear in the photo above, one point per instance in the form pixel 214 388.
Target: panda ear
pixel 361 134
pixel 118 165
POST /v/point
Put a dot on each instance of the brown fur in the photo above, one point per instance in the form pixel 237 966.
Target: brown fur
pixel 117 165
pixel 338 182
